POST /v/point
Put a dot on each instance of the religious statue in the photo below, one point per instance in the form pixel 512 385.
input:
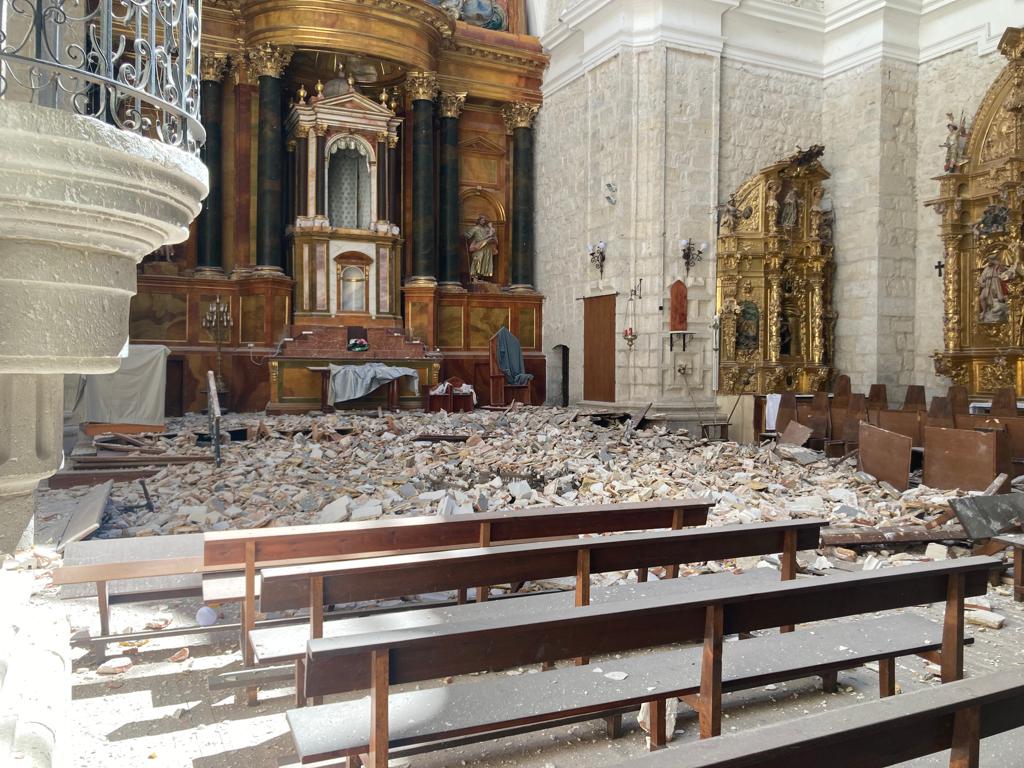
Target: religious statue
pixel 788 215
pixel 954 143
pixel 993 221
pixel 729 215
pixel 748 324
pixel 489 14
pixel 482 241
pixel 993 291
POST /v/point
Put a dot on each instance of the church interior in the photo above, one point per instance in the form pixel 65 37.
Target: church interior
pixel 422 383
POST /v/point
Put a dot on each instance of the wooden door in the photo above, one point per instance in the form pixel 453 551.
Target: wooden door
pixel 599 348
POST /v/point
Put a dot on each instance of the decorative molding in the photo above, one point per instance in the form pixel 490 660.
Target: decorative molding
pixel 452 104
pixel 767 33
pixel 519 114
pixel 421 86
pixel 267 60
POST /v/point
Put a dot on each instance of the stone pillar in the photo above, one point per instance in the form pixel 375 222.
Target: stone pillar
pixel 519 118
pixel 78 274
pixel 301 174
pixel 210 240
pixel 451 110
pixel 422 87
pixel 267 63
pixel 320 175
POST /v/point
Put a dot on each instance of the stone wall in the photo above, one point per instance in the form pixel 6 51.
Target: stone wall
pixel 952 83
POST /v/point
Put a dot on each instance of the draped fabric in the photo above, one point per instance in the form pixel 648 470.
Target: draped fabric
pixel 351 382
pixel 510 358
pixel 348 187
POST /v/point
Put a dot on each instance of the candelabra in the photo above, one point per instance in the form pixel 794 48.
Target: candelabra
pixel 218 322
pixel 597 256
pixel 691 253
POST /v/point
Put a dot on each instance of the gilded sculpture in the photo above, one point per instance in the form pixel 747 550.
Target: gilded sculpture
pixel 981 209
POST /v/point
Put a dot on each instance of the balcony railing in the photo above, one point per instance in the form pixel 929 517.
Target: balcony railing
pixel 131 63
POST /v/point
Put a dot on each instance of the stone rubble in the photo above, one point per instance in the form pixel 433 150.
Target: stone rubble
pixel 363 466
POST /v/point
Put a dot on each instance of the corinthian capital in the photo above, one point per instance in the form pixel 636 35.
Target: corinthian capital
pixel 421 86
pixel 267 60
pixel 519 114
pixel 452 104
pixel 213 66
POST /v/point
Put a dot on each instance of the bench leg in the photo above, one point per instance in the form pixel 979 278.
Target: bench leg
pixel 1018 574
pixel 966 738
pixel 249 617
pixel 830 682
pixel 582 596
pixel 641 575
pixel 788 565
pixel 709 705
pixel 379 678
pixel 460 596
pixel 354 762
pixel 103 600
pixel 657 716
pixel 300 682
pixel 952 661
pixel 614 725
pixel 886 677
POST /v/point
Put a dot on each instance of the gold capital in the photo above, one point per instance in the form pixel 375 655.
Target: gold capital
pixel 519 114
pixel 320 129
pixel 392 141
pixel 452 104
pixel 267 60
pixel 213 66
pixel 1011 45
pixel 421 86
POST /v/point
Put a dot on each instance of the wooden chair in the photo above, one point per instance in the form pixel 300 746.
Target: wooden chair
pixel 915 399
pixel 1004 402
pixel 501 392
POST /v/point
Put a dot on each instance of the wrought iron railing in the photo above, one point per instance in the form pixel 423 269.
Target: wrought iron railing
pixel 131 63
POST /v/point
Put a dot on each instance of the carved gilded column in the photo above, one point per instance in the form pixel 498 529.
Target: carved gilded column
pixel 210 240
pixel 519 118
pixel 817 282
pixel 422 88
pixel 451 110
pixel 267 63
pixel 951 292
pixel 773 265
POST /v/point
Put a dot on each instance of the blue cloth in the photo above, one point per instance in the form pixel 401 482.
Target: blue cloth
pixel 510 359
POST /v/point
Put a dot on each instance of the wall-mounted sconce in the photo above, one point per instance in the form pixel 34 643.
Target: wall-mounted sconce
pixel 597 256
pixel 691 253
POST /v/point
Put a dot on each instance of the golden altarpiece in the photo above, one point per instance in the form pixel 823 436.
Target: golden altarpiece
pixel 774 290
pixel 981 205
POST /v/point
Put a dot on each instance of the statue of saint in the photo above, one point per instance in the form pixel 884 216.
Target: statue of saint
pixel 956 135
pixel 748 324
pixel 993 291
pixel 482 240
pixel 788 216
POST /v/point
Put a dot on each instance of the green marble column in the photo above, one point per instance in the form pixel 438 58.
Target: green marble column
pixel 451 110
pixel 519 121
pixel 422 87
pixel 209 240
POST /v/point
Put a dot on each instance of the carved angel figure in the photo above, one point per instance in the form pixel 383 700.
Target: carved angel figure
pixel 956 136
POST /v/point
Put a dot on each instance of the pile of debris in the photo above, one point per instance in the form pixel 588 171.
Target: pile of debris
pixel 294 470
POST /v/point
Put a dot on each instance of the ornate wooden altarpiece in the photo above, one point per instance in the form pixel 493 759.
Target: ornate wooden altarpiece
pixel 774 292
pixel 981 202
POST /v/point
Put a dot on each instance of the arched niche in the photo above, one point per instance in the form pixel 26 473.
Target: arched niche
pixel 353 282
pixel 351 167
pixel 482 202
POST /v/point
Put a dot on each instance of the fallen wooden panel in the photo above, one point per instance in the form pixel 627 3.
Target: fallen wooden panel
pixel 965 458
pixel 902 423
pixel 97 428
pixel 88 515
pixel 845 537
pixel 116 462
pixel 72 478
pixel 885 455
pixel 986 516
pixel 795 433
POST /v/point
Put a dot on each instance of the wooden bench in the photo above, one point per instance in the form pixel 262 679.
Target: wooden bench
pixel 249 550
pixel 316 585
pixel 416 654
pixel 880 733
pixel 1016 541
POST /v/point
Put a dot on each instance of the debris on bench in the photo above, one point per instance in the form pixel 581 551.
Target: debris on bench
pixel 87 517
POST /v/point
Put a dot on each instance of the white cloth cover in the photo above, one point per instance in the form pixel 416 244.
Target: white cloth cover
pixel 351 382
pixel 771 411
pixel 132 395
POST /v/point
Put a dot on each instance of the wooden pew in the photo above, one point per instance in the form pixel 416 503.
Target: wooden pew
pixel 914 399
pixel 878 399
pixel 880 733
pixel 846 427
pixel 940 413
pixel 841 392
pixel 787 411
pixel 965 458
pixel 819 420
pixel 958 401
pixel 902 423
pixel 317 585
pixel 1004 402
pixel 250 550
pixel 885 455
pixel 1014 426
pixel 377 661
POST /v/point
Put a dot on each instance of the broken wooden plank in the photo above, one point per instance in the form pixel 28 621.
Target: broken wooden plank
pixel 425 438
pixel 795 433
pixel 73 478
pixel 114 462
pixel 88 515
pixel 885 455
pixel 904 534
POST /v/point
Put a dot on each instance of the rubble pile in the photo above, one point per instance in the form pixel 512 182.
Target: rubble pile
pixel 319 468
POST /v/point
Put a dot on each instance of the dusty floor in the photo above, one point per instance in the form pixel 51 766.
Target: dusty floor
pixel 161 713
